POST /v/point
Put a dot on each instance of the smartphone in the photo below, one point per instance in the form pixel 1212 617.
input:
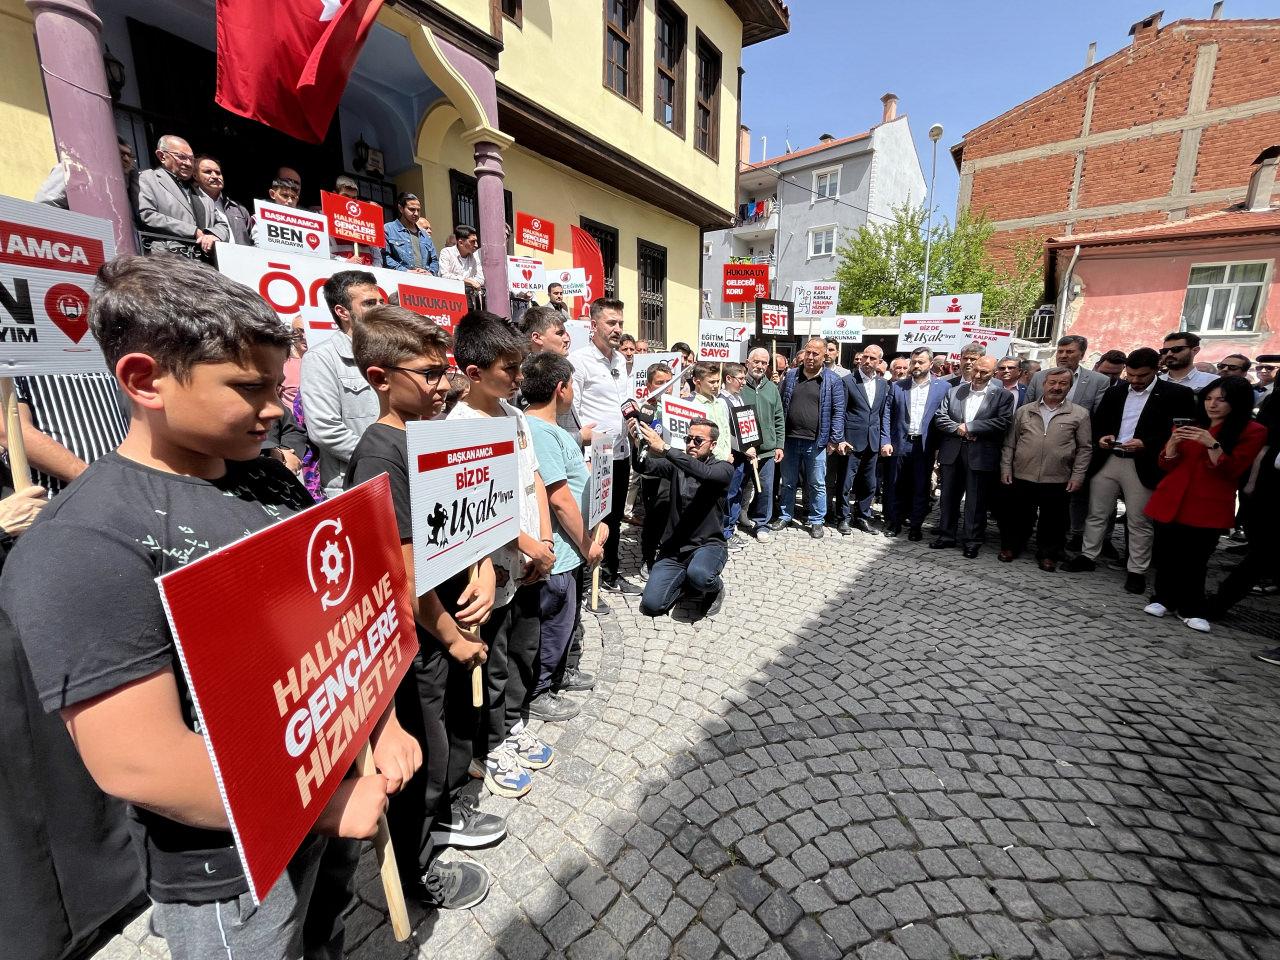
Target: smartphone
pixel 1182 422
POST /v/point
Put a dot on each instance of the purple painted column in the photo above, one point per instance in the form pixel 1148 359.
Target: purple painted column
pixel 492 226
pixel 84 130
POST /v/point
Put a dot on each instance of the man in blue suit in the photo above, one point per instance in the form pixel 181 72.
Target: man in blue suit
pixel 912 403
pixel 866 430
pixel 813 401
pixel 971 424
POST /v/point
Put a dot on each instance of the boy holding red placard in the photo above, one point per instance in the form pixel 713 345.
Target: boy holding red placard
pixel 404 357
pixel 201 360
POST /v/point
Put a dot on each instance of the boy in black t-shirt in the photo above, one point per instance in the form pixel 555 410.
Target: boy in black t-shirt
pixel 405 359
pixel 201 360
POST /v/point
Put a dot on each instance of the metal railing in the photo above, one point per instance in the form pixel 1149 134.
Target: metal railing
pixel 1039 326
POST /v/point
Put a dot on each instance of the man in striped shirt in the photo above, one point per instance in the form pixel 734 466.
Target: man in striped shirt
pixel 68 422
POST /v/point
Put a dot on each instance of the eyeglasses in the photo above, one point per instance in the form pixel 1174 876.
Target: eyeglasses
pixel 1230 366
pixel 1267 367
pixel 431 377
pixel 695 441
pixel 1164 350
pixel 180 157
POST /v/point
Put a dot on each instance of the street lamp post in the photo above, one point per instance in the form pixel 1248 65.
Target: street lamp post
pixel 935 134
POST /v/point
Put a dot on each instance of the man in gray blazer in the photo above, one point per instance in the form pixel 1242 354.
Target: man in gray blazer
pixel 972 422
pixel 170 202
pixel 1087 388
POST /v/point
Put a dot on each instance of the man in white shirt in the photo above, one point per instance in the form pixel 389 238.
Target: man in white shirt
pixel 1178 358
pixel 600 387
pixel 461 262
pixel 911 405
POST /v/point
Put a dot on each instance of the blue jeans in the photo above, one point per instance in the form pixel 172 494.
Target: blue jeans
pixel 733 501
pixel 807 461
pixel 701 568
pixel 762 506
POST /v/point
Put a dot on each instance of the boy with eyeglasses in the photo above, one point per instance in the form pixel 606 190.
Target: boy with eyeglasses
pixel 404 357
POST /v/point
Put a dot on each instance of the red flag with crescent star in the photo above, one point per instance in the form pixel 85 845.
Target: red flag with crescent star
pixel 587 255
pixel 286 64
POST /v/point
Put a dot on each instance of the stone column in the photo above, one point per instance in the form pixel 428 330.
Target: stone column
pixel 492 226
pixel 68 35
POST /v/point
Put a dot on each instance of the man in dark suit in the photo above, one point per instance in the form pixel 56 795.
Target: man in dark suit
pixel 909 410
pixel 1133 421
pixel 1009 373
pixel 866 431
pixel 972 421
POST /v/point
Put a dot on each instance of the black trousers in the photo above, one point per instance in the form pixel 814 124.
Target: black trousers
pixel 511 671
pixel 1181 558
pixel 906 486
pixel 657 506
pixel 1038 507
pixel 961 480
pixel 621 477
pixel 858 486
pixel 837 463
pixel 433 704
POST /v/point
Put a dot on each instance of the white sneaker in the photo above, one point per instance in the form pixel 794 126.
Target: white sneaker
pixel 1197 623
pixel 763 535
pixel 1155 609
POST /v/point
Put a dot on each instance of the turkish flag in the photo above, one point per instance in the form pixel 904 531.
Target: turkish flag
pixel 587 255
pixel 287 63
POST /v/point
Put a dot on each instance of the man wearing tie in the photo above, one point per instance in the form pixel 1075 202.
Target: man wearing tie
pixel 911 405
pixel 866 431
pixel 972 420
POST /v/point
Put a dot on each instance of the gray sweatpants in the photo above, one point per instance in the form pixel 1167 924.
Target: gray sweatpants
pixel 236 930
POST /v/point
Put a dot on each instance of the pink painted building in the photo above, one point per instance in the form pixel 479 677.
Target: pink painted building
pixel 1214 274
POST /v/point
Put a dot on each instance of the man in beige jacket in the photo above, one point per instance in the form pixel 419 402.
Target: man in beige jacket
pixel 1045 459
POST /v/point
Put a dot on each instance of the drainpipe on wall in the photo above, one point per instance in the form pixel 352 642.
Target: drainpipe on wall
pixel 1060 321
pixel 68 36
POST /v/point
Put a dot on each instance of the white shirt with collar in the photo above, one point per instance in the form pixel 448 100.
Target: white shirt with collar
pixel 1135 401
pixel 919 400
pixel 1047 413
pixel 1197 380
pixel 869 387
pixel 973 403
pixel 1071 394
pixel 600 387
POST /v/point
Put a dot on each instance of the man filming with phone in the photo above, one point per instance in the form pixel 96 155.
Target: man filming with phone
pixel 1133 421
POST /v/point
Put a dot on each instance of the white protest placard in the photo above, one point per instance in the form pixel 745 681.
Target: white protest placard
pixel 748 425
pixel 815 298
pixel 573 281
pixel 995 341
pixel 294 286
pixel 290 230
pixel 526 275
pixel 599 491
pixel 676 416
pixel 579 334
pixel 842 328
pixel 940 332
pixel 721 341
pixel 48 259
pixel 464 492
pixel 640 370
pixel 967 305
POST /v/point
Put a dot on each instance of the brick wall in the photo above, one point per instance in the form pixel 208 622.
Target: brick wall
pixel 1149 83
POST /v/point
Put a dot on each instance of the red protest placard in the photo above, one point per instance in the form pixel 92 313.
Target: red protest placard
pixel 356 220
pixel 443 307
pixel 535 232
pixel 745 282
pixel 292 642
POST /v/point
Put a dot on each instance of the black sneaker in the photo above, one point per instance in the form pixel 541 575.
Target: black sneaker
pixel 452 886
pixel 717 602
pixel 575 680
pixel 776 525
pixel 815 531
pixel 552 708
pixel 1271 655
pixel 1080 564
pixel 468 827
pixel 621 585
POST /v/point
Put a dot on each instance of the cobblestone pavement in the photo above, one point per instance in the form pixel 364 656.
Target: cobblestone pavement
pixel 878 751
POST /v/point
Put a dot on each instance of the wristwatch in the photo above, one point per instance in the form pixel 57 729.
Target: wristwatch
pixel 1216 446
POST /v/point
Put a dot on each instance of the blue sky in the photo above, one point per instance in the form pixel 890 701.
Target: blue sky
pixel 954 62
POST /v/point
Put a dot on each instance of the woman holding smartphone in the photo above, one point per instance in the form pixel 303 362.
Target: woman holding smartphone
pixel 1195 502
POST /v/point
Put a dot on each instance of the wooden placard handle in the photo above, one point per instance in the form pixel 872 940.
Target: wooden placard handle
pixel 387 859
pixel 18 465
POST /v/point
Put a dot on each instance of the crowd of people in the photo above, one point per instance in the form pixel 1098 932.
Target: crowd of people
pixel 219 420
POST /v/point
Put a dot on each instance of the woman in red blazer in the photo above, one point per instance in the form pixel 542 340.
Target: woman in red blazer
pixel 1195 503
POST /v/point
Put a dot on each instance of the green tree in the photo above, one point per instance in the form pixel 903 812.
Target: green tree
pixel 881 267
